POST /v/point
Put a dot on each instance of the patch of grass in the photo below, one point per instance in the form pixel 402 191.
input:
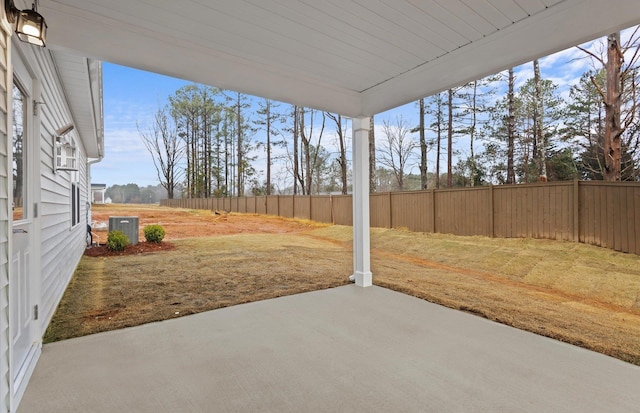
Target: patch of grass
pixel 567 267
pixel 201 274
pixel 577 293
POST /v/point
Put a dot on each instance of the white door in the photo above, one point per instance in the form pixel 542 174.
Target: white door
pixel 22 311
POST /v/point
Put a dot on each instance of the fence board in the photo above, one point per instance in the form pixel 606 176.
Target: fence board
pixel 636 207
pixel 633 212
pixel 515 217
pixel 498 212
pixel 610 228
pixel 586 216
pixel 380 210
pixel 522 219
pixel 622 243
pixel 551 221
pixel 535 212
pixel 342 210
pixel 251 204
pixel 594 215
pixel 321 209
pixel 286 206
pixel 517 214
pixel 302 207
pixel 599 216
pixel 271 205
pixel 604 227
pixel 600 230
pixel 443 213
pixel 566 218
pixel 607 224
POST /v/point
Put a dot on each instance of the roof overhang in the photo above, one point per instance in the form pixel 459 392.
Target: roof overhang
pixel 354 58
pixel 81 79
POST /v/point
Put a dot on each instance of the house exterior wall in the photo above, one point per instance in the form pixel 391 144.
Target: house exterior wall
pixel 57 244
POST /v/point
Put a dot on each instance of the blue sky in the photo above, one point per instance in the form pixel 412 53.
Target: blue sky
pixel 131 97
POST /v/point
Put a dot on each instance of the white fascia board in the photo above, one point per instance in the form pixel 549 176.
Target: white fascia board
pixel 95 81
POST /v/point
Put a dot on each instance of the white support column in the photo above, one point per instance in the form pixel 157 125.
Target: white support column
pixel 361 237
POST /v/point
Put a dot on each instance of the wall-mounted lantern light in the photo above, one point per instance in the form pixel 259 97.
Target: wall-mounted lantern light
pixel 65 152
pixel 29 24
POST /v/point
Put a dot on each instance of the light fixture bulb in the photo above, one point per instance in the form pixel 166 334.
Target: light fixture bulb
pixel 31 30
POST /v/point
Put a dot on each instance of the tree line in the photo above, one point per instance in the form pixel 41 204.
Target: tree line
pixel 207 140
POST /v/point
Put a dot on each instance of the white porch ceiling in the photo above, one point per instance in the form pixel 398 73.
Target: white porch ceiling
pixel 353 57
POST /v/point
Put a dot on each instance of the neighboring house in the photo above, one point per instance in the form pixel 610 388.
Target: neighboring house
pixel 98 193
pixel 51 131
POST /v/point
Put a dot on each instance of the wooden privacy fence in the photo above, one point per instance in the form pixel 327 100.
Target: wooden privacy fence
pixel 598 213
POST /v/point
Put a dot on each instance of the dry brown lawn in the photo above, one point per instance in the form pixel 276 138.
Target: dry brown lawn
pixel 577 293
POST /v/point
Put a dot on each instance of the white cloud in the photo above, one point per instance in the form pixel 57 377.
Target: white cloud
pixel 126 160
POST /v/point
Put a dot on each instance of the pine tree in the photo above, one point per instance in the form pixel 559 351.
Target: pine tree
pixel 619 96
pixel 267 117
pixel 342 147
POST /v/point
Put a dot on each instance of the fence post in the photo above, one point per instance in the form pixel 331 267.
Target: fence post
pixel 333 221
pixel 576 210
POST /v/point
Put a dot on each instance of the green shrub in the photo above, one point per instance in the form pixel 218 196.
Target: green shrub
pixel 117 241
pixel 154 233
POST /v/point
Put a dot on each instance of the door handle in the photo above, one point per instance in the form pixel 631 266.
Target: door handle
pixel 20 231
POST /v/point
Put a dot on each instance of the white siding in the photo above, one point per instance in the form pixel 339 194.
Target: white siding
pixel 4 224
pixel 61 245
pixel 58 246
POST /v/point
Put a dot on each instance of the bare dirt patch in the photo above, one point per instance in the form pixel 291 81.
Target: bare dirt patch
pixel 182 223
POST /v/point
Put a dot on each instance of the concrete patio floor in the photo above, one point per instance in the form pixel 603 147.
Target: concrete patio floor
pixel 346 349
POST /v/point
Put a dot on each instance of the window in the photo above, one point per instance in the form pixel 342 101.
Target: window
pixel 75 204
pixel 65 154
pixel 19 147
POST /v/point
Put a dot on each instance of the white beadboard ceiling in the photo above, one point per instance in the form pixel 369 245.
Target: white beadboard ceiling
pixel 353 57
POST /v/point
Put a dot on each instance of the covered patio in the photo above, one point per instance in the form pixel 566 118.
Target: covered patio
pixel 345 349
pixel 349 348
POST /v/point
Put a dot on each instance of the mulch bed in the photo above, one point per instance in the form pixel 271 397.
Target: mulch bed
pixel 140 248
